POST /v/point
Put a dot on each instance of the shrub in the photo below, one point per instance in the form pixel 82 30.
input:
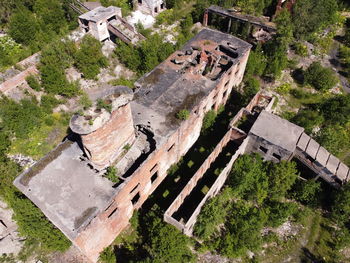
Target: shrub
pixel 300 49
pixel 85 101
pixel 89 58
pixel 183 114
pixel 101 104
pixel 284 89
pixel 208 120
pixel 33 82
pixel 107 255
pixel 319 77
pixel 111 174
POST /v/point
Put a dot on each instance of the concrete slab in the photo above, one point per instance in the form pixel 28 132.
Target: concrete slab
pixel 332 164
pixel 322 156
pixel 66 189
pixel 342 171
pixel 303 141
pixel 277 131
pixel 312 148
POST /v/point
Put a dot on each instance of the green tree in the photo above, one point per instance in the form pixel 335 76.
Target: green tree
pixel 251 88
pixel 208 120
pixel 309 119
pixel 164 242
pixel 213 213
pixel 336 110
pixel 311 15
pixel 107 255
pixel 53 62
pixel 335 138
pixel 319 77
pixel 51 14
pixel 281 178
pixel 249 179
pixel 89 58
pixel 23 26
pixel 341 205
pixel 256 62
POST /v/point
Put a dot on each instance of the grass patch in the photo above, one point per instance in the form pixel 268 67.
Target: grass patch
pixel 44 138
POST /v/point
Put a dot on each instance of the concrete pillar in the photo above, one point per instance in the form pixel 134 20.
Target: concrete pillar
pixel 229 25
pixel 205 18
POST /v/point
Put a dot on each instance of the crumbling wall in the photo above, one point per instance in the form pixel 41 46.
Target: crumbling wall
pixel 17 80
pixel 187 227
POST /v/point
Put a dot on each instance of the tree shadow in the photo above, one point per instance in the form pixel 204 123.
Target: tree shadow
pixel 308 257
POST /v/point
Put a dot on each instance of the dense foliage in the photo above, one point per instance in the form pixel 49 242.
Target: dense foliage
pixel 89 57
pixel 320 78
pixel 18 119
pixel 231 222
pixel 55 59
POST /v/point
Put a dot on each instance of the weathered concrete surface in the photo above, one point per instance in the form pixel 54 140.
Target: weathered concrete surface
pixel 151 7
pixel 342 171
pixel 10 241
pixel 68 192
pixel 277 131
pixel 303 141
pixel 322 156
pixel 312 148
pixel 332 164
pixel 17 80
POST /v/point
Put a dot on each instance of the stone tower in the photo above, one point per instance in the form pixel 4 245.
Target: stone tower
pixel 106 127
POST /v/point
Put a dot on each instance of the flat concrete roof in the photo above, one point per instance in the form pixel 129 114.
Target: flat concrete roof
pixel 322 156
pixel 277 131
pixel 303 141
pixel 173 85
pixel 100 13
pixel 312 148
pixel 68 192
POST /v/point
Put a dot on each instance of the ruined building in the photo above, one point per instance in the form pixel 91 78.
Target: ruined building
pixel 253 129
pixel 136 132
pixel 106 23
pixel 151 7
pixel 258 28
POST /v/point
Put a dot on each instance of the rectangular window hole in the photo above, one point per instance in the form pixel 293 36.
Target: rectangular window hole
pixel 154 177
pixel 134 188
pixel 154 166
pixel 263 149
pixel 226 84
pixel 135 199
pixel 113 212
pixel 224 94
pixel 171 147
pixel 277 156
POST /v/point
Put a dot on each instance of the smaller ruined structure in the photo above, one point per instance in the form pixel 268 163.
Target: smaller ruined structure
pixel 278 139
pixel 260 28
pixel 106 23
pixel 150 7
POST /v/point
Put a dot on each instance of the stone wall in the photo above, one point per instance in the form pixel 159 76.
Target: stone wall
pixel 17 80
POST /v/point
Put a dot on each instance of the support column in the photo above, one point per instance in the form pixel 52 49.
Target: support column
pixel 229 25
pixel 205 18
